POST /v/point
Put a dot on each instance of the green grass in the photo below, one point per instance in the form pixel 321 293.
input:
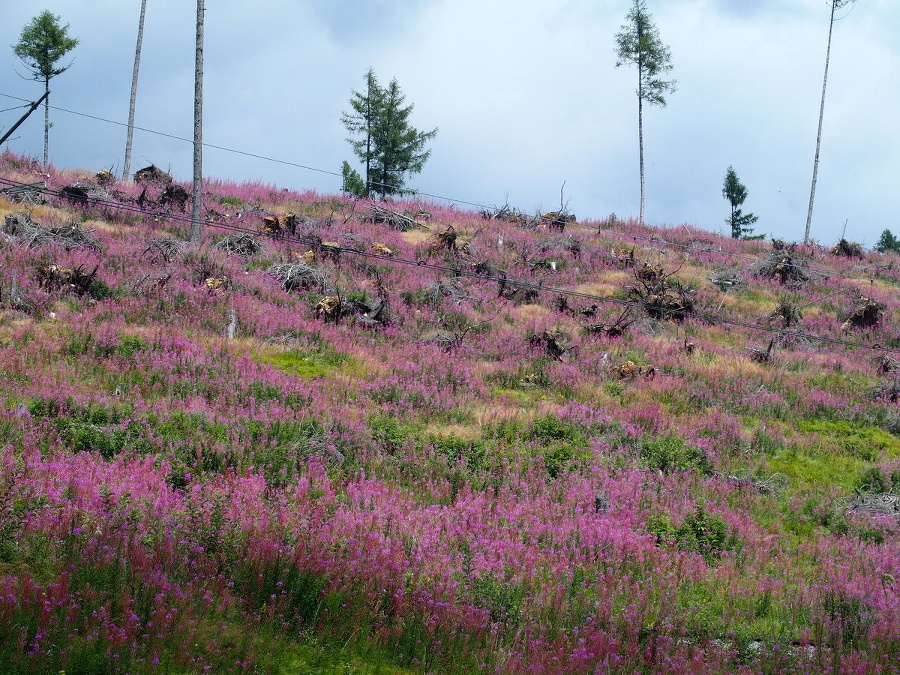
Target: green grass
pixel 817 470
pixel 857 439
pixel 306 364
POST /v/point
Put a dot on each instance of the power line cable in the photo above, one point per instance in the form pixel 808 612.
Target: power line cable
pixel 412 191
pixel 457 272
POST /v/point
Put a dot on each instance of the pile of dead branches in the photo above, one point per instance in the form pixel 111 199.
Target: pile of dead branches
pixel 662 295
pixel 297 276
pixel 168 248
pixel 30 195
pixel 82 193
pixel 152 174
pixel 506 213
pixel 243 245
pixel 394 220
pixel 55 277
pixel 774 484
pixel 555 342
pixel 782 264
pixel 883 504
pixel 725 280
pixel 31 234
pixel 557 220
pixel 887 365
pixel 866 314
pixel 847 249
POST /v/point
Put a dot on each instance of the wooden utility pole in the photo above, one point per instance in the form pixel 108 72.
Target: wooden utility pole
pixel 24 117
pixel 198 131
pixel 835 4
pixel 126 169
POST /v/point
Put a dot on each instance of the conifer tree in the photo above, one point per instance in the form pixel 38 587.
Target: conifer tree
pixel 887 242
pixel 41 45
pixel 736 193
pixel 638 43
pixel 389 147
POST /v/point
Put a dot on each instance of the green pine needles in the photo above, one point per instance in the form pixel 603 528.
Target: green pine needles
pixel 386 144
pixel 736 193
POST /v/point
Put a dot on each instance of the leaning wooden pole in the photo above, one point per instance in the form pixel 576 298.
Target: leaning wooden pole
pixel 196 223
pixel 812 190
pixel 126 168
pixel 24 117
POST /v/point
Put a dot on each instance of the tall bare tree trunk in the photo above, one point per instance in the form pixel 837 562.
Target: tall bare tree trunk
pixel 812 191
pixel 198 130
pixel 641 134
pixel 46 121
pixel 126 168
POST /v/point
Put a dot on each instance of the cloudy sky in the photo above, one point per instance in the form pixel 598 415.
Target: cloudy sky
pixel 525 94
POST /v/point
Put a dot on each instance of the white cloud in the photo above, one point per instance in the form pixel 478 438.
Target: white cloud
pixel 525 93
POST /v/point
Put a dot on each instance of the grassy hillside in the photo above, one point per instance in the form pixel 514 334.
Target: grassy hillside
pixel 446 443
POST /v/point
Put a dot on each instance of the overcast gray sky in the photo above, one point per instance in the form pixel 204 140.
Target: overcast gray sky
pixel 525 93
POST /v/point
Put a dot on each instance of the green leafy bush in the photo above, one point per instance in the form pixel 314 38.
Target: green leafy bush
pixel 671 453
pixel 700 532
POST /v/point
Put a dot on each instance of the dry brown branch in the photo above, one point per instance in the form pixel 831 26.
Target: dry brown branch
pixel 615 328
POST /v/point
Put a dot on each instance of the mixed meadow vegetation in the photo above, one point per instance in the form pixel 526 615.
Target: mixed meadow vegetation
pixel 300 451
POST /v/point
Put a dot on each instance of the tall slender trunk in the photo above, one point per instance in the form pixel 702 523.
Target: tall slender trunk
pixel 126 168
pixel 812 190
pixel 46 121
pixel 640 66
pixel 198 130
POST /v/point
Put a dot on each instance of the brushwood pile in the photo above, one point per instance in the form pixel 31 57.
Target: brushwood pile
pixel 338 436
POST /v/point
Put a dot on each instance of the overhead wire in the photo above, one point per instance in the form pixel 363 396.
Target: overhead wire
pixel 416 192
pixel 459 272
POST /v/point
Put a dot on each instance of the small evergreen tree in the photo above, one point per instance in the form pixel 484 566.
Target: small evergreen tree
pixel 736 192
pixel 388 147
pixel 638 43
pixel 41 45
pixel 362 122
pixel 887 242
pixel 353 183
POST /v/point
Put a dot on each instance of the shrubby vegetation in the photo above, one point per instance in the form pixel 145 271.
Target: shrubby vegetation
pixel 205 469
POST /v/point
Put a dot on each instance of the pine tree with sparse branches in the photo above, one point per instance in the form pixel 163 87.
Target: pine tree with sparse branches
pixel 638 43
pixel 41 45
pixel 736 193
